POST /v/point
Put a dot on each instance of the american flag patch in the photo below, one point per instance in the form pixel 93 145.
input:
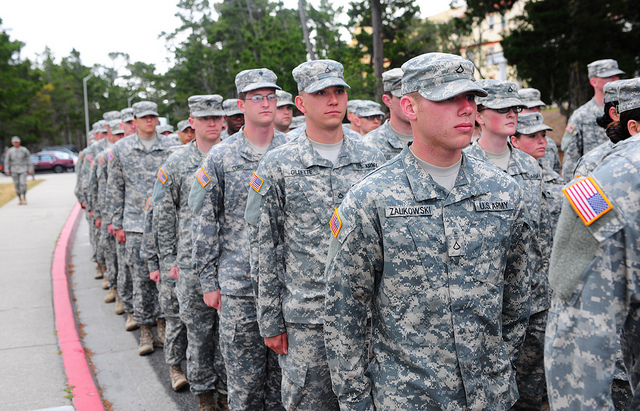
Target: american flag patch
pixel 588 201
pixel 101 161
pixel 570 128
pixel 109 156
pixel 90 158
pixel 335 223
pixel 202 177
pixel 146 207
pixel 162 176
pixel 256 182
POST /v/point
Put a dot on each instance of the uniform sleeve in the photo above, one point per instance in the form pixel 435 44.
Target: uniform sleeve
pixel 166 199
pixel 572 145
pixel 116 191
pixel 102 191
pixel 84 182
pixel 92 191
pixel 148 249
pixel 516 304
pixel 30 166
pixel 265 210
pixel 351 271
pixel 77 191
pixel 206 229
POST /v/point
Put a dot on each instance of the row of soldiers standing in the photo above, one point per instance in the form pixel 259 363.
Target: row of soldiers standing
pixel 420 285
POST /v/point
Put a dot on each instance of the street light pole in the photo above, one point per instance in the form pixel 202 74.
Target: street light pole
pixel 86 105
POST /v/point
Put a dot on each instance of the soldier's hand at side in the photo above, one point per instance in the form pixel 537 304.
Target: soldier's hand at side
pixel 91 213
pixel 155 276
pixel 278 343
pixel 111 230
pixel 212 299
pixel 121 236
pixel 174 272
pixel 98 223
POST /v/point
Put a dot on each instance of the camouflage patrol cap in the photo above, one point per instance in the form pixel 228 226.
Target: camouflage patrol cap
pixel 99 127
pixel 611 91
pixel 368 108
pixel 392 82
pixel 317 75
pixel 603 68
pixel 114 125
pixel 629 95
pixel 230 107
pixel 530 97
pixel 284 98
pixel 164 128
pixel 500 94
pixel 439 76
pixel 111 115
pixel 206 105
pixel 254 79
pixel 126 114
pixel 529 123
pixel 145 108
pixel 297 121
pixel 352 104
pixel 15 139
pixel 183 125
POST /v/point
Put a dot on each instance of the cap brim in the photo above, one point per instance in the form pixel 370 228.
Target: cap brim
pixel 206 113
pixel 609 73
pixel 324 83
pixel 284 103
pixel 128 118
pixel 371 113
pixel 256 86
pixel 533 129
pixel 451 89
pixel 536 103
pixel 147 113
pixel 396 93
pixel 508 102
pixel 232 113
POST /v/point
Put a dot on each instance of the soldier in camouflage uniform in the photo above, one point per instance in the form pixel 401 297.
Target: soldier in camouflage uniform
pixel 594 274
pixel 221 241
pixel 128 124
pixel 232 116
pixel 185 131
pixel 531 98
pixel 135 163
pixel 351 109
pixel 583 133
pixel 396 132
pixel 96 199
pixel 284 112
pixel 440 258
pixel 205 367
pixel 18 165
pixel 368 116
pixel 292 195
pixel 498 117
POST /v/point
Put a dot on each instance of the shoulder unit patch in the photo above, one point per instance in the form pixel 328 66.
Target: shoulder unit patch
pixel 202 177
pixel 256 182
pixel 335 223
pixel 587 199
pixel 570 128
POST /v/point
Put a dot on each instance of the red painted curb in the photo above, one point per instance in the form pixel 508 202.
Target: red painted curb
pixel 79 376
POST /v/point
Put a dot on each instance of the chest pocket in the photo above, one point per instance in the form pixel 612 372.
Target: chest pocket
pixel 236 186
pixel 308 189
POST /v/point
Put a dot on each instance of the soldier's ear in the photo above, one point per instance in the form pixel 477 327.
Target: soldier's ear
pixel 300 103
pixel 408 105
pixel 634 127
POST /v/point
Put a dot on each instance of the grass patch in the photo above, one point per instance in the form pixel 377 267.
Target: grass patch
pixel 8 193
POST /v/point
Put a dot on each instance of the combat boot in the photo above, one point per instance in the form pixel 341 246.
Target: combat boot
pixel 162 326
pixel 206 401
pixel 130 324
pixel 222 403
pixel 24 199
pixel 146 340
pixel 100 271
pixel 105 284
pixel 119 307
pixel 178 379
pixel 19 199
pixel 111 296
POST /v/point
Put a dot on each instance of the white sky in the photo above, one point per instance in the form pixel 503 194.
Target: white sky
pixel 96 29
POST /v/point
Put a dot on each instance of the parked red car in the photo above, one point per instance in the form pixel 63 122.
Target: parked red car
pixel 52 160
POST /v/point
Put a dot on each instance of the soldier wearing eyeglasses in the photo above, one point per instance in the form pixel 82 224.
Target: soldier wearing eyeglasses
pixel 292 196
pixel 498 118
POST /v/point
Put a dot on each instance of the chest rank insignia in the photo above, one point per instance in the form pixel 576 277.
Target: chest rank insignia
pixel 570 128
pixel 162 176
pixel 335 223
pixel 148 204
pixel 110 156
pixel 588 201
pixel 256 182
pixel 101 161
pixel 202 177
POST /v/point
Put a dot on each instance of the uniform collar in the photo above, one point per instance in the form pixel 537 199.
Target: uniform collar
pixel 350 153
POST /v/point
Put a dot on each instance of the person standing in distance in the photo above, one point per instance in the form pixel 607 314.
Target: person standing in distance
pixel 18 165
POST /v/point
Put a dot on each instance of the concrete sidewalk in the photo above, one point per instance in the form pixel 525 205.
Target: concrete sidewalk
pixel 32 374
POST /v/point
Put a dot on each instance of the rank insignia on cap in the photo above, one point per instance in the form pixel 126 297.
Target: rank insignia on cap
pixel 110 156
pixel 101 161
pixel 588 201
pixel 162 176
pixel 256 182
pixel 335 223
pixel 90 158
pixel 570 128
pixel 146 207
pixel 202 177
